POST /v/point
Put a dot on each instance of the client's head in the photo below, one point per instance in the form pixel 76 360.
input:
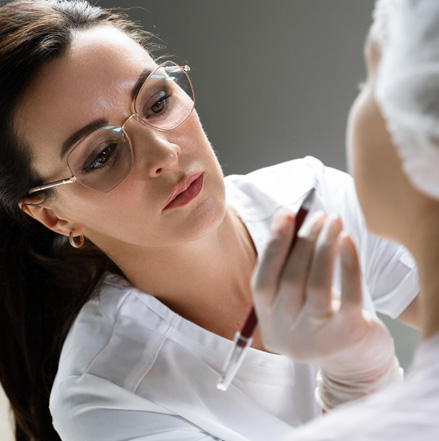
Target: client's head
pixel 394 123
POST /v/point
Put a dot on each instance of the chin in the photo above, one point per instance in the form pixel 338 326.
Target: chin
pixel 213 215
pixel 205 219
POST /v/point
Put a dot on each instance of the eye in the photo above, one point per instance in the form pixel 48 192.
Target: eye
pixel 158 107
pixel 101 159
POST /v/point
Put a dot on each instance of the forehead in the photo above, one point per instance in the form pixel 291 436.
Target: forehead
pixel 106 47
pixel 92 80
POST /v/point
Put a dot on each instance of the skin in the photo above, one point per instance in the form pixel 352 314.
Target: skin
pixel 411 217
pixel 167 253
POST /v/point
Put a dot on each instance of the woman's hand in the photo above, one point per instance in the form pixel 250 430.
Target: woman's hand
pixel 301 315
pixel 299 312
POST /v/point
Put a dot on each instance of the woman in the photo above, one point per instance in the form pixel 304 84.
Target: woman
pixel 119 248
pixel 393 155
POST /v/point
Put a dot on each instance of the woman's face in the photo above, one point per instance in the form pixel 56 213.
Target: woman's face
pixel 381 185
pixel 93 81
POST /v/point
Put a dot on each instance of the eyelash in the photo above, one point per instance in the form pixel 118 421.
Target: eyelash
pixel 91 167
pixel 161 100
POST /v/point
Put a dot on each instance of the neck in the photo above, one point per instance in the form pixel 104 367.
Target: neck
pixel 206 281
pixel 423 244
pixel 429 285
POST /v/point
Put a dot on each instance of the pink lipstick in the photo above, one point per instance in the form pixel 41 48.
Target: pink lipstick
pixel 185 192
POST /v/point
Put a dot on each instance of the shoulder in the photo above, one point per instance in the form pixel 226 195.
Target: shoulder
pixel 289 175
pixel 112 331
pixel 265 190
pixel 87 407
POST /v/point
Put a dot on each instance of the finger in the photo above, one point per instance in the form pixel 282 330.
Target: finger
pixel 292 289
pixel 351 297
pixel 319 287
pixel 266 277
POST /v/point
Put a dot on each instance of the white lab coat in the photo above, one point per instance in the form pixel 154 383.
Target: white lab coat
pixel 132 369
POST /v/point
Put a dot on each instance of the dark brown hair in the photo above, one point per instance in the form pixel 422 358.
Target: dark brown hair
pixel 43 282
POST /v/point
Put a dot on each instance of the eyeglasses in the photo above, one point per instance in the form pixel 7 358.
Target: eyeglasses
pixel 103 159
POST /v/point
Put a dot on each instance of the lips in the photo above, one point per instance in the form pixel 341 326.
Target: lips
pixel 185 192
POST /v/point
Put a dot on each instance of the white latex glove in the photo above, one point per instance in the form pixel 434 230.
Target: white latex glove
pixel 301 315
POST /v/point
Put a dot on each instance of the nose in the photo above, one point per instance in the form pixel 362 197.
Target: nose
pixel 152 150
pixel 160 154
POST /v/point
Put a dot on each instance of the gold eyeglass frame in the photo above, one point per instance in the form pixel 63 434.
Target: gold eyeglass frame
pixel 72 179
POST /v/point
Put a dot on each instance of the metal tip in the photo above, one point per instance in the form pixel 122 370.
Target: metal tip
pixel 225 380
pixel 233 361
pixel 221 385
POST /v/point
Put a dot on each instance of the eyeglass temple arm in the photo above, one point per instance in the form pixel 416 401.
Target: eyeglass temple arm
pixel 70 180
pixel 176 68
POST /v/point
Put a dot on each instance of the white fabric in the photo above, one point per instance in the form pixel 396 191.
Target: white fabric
pixel 407 86
pixel 132 369
pixel 407 412
pixel 382 13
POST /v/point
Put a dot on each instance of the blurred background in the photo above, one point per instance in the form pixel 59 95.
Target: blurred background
pixel 273 81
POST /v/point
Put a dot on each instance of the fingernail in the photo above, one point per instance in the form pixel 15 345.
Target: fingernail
pixel 281 220
pixel 332 227
pixel 346 256
pixel 313 224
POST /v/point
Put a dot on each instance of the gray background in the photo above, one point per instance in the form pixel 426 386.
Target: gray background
pixel 274 80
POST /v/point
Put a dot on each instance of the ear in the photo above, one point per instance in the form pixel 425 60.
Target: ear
pixel 36 209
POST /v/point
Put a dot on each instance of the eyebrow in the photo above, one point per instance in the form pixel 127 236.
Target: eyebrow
pixel 81 133
pixel 98 123
pixel 139 83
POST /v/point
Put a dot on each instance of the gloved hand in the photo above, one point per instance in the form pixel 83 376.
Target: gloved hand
pixel 302 316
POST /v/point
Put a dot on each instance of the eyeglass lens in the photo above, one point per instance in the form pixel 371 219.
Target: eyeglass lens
pixel 103 159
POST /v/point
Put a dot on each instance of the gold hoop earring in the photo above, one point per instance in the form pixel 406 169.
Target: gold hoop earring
pixel 75 244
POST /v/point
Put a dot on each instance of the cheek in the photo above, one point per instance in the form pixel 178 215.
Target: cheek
pixel 194 137
pixel 365 161
pixel 375 167
pixel 119 217
pixel 196 146
pixel 353 135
